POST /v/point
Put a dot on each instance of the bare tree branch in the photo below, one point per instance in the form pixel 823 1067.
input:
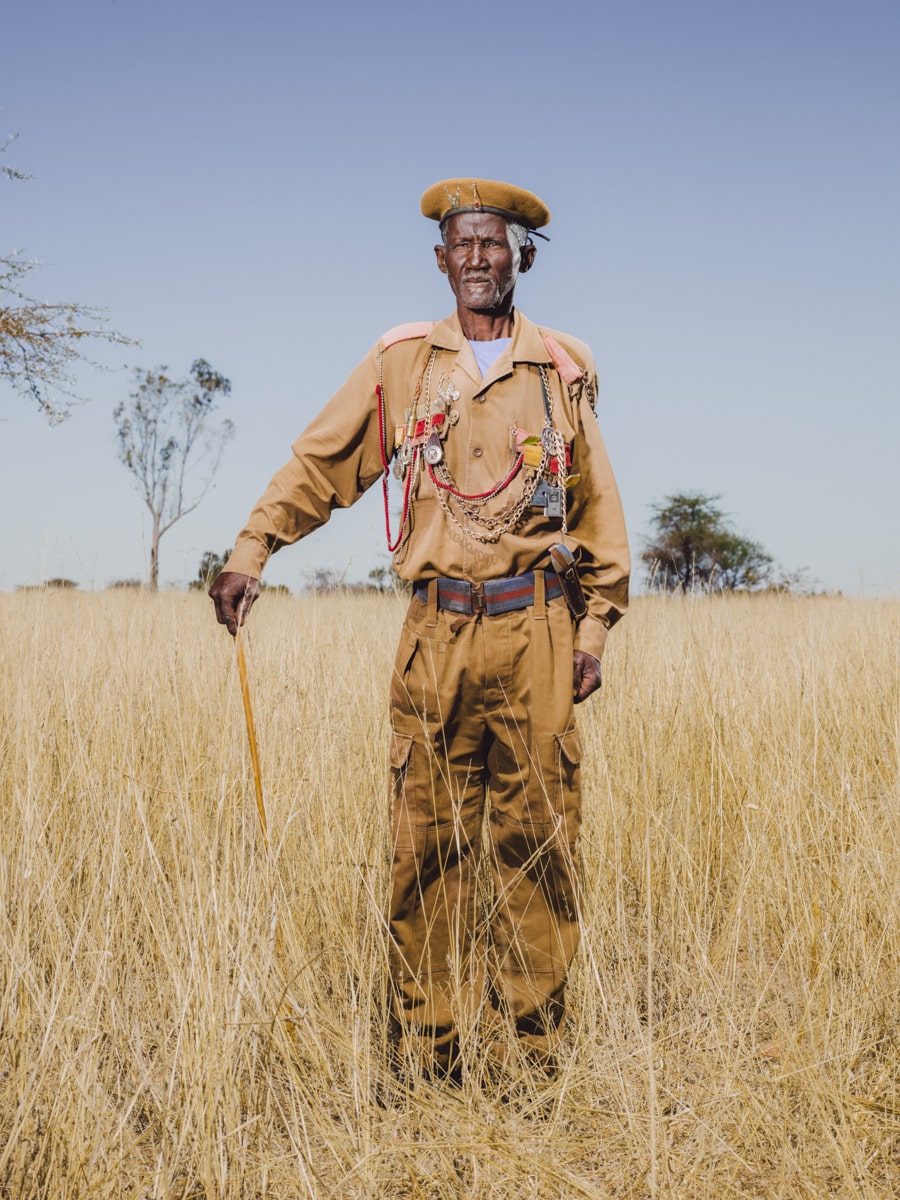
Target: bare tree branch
pixel 40 343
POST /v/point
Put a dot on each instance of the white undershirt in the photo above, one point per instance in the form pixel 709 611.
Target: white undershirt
pixel 487 353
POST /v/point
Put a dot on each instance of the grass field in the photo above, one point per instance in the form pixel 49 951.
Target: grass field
pixel 733 1025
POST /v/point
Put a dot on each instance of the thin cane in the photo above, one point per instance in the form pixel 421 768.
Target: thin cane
pixel 251 735
pixel 257 774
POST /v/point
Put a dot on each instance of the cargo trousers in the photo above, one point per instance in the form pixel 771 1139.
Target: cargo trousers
pixel 486 811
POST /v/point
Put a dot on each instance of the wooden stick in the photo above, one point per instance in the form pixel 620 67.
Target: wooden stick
pixel 251 734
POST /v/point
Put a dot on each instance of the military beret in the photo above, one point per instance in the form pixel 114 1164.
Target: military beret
pixel 451 196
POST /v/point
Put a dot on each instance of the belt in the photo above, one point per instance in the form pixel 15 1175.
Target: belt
pixel 493 596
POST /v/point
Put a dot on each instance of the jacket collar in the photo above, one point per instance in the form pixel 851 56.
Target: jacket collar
pixel 527 345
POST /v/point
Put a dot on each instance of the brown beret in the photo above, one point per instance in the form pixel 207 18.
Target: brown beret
pixel 451 196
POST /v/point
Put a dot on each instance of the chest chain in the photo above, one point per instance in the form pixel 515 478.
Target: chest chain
pixel 544 459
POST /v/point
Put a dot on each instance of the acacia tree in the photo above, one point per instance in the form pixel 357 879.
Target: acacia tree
pixel 40 342
pixel 694 548
pixel 172 443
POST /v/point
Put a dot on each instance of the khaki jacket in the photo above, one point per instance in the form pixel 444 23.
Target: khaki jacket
pixel 338 457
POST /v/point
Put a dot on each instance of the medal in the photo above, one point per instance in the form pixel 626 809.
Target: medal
pixel 447 393
pixel 434 451
pixel 401 460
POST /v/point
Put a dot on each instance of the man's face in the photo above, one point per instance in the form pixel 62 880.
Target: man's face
pixel 479 261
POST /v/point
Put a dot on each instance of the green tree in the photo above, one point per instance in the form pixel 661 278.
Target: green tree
pixel 40 341
pixel 211 565
pixel 695 548
pixel 171 440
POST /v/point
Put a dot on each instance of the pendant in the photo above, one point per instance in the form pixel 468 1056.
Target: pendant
pixel 550 499
pixel 447 393
pixel 434 451
pixel 401 461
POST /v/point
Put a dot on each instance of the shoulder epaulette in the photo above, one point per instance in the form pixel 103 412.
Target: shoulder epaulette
pixel 408 332
pixel 563 360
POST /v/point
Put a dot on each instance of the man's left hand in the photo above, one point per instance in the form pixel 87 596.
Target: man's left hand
pixel 585 675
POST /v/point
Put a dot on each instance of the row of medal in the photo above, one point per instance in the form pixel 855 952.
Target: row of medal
pixel 427 425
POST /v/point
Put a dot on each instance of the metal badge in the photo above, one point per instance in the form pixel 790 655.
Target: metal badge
pixel 553 505
pixel 447 393
pixel 434 451
pixel 401 460
pixel 550 499
pixel 539 497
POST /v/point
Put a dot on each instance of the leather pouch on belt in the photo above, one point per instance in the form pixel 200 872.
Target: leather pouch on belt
pixel 564 565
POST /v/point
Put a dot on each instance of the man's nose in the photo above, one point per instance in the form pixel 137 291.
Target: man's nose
pixel 477 256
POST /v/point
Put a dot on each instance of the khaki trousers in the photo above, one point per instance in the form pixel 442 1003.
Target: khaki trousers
pixel 486 811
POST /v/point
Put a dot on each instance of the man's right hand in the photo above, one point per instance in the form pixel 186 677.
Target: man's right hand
pixel 233 595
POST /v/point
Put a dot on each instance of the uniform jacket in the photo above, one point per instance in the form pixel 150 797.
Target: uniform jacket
pixel 338 457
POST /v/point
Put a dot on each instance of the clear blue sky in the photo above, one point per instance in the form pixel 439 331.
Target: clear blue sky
pixel 241 182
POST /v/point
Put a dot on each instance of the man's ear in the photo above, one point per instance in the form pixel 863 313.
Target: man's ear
pixel 441 259
pixel 529 250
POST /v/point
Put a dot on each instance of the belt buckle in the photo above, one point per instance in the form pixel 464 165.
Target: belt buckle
pixel 477 598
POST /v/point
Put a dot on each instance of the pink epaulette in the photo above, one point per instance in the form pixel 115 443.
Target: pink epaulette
pixel 563 360
pixel 406 333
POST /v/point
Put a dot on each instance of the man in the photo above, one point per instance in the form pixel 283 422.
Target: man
pixel 489 422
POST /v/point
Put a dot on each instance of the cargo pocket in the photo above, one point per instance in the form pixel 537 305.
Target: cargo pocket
pixel 569 779
pixel 402 793
pixel 401 748
pixel 570 748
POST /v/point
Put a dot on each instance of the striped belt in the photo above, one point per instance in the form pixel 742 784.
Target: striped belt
pixel 493 596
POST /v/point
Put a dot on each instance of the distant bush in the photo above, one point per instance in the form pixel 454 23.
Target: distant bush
pixel 59 584
pixel 381 579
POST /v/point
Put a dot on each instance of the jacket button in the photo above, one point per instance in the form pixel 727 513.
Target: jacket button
pixel 478 452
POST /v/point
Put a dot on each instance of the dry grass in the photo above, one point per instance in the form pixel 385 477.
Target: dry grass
pixel 733 1027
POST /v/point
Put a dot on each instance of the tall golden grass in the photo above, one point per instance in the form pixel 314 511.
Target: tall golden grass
pixel 733 1026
